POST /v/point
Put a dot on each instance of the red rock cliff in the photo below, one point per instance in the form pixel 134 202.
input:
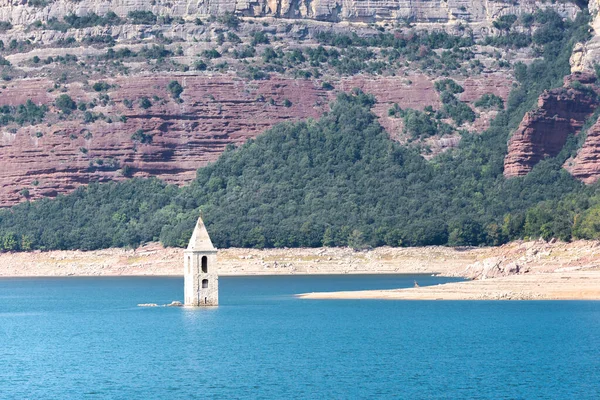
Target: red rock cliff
pixel 544 131
pixel 585 166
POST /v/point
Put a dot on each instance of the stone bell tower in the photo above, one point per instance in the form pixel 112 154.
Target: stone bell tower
pixel 200 263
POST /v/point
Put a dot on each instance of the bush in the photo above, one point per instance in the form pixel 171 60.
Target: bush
pixel 505 22
pixel 245 52
pixel 101 86
pixel 175 89
pixel 211 54
pixel 259 37
pixel 141 137
pixel 230 20
pixel 22 114
pixel 145 103
pixel 200 65
pixel 457 110
pixel 5 26
pixel 448 85
pixel 142 17
pixel 490 101
pixel 65 103
pixel 233 38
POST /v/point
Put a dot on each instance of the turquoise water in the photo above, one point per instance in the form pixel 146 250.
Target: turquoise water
pixel 85 338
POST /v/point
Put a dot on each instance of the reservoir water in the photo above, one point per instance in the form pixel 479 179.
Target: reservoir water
pixel 78 338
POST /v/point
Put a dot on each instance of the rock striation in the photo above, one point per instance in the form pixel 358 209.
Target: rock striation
pixel 18 12
pixel 544 131
pixel 585 166
pixel 217 110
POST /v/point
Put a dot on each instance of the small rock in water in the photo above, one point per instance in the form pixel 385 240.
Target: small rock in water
pixel 148 305
pixel 175 304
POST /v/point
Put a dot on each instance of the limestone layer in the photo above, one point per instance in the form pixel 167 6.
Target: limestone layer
pixel 18 13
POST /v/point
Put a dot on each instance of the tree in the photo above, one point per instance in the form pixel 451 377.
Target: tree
pixel 505 22
pixel 145 103
pixel 65 103
pixel 175 89
pixel 10 242
pixel 356 240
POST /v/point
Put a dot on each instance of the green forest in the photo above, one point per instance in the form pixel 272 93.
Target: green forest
pixel 340 181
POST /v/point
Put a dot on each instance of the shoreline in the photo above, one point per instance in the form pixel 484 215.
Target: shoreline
pixel 579 286
pixel 225 275
pixel 534 270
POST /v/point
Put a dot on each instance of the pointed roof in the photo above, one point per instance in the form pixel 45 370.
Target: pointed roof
pixel 200 240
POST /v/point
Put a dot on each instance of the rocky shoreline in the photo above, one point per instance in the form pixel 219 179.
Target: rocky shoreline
pixel 518 270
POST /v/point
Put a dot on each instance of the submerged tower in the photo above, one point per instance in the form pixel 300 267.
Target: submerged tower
pixel 201 279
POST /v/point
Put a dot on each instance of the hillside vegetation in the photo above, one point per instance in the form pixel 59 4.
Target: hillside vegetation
pixel 339 181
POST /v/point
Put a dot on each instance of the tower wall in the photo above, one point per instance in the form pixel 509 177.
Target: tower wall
pixel 195 292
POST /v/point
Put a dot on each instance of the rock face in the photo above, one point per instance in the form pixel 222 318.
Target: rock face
pixel 218 110
pixel 544 131
pixel 586 55
pixel 222 103
pixel 18 13
pixel 585 166
pixel 215 112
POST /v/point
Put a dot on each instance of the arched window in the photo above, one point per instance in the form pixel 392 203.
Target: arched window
pixel 189 264
pixel 204 264
pixel 204 283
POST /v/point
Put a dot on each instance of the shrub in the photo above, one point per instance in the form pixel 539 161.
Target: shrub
pixel 211 54
pixel 175 89
pixel 448 85
pixel 230 20
pixel 141 137
pixel 269 54
pixel 200 65
pixel 256 74
pixel 37 3
pixel 5 26
pixel 145 103
pixel 505 22
pixel 489 101
pixel 259 37
pixel 458 111
pixel 233 38
pixel 65 103
pixel 142 17
pixel 245 52
pixel 101 86
pixel 23 113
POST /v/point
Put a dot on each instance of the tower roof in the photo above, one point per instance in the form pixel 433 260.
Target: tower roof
pixel 200 241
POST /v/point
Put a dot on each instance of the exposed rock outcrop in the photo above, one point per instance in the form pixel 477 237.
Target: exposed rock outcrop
pixel 216 110
pixel 586 55
pixel 585 166
pixel 544 131
pixel 19 13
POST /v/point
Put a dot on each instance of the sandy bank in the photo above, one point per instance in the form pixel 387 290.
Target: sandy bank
pixel 519 270
pixel 551 286
pixel 153 259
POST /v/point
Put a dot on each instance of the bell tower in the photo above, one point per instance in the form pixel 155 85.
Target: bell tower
pixel 200 274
